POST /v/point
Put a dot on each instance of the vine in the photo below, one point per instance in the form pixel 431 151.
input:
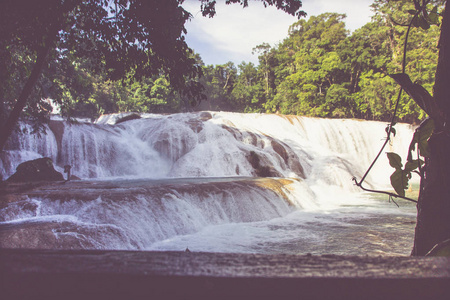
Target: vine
pixel 401 176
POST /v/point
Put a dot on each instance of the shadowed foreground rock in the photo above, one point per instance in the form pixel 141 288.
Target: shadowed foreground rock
pixel 41 274
pixel 40 169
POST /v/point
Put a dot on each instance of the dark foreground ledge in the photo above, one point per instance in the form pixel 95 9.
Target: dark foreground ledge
pixel 51 274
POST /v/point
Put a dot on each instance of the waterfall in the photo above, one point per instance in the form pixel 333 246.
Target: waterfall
pixel 138 212
pixel 23 146
pixel 190 145
pixel 150 182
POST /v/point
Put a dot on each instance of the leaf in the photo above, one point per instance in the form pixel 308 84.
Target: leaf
pixel 415 22
pixel 426 128
pixel 420 137
pixel 412 165
pixel 412 11
pixel 423 134
pixel 417 92
pixel 423 23
pixel 402 79
pixel 433 17
pixel 395 160
pixel 399 182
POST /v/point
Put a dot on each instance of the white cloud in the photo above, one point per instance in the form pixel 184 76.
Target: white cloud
pixel 235 31
pixel 358 11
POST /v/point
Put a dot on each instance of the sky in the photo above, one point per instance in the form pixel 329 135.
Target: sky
pixel 235 31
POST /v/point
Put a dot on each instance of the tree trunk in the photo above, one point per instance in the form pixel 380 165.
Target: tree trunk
pixel 14 115
pixel 433 208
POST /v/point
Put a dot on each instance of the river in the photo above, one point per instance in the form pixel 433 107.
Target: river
pixel 210 182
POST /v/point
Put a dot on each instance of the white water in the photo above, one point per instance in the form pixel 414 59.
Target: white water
pixel 307 214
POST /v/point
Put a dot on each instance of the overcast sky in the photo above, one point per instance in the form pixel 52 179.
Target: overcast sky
pixel 234 31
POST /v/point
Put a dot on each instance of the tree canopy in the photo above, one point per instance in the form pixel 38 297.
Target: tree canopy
pixel 319 69
pixel 43 43
pixel 94 57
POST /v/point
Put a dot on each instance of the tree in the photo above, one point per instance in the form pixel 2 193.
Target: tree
pixel 431 139
pixel 311 66
pixel 433 216
pixel 218 82
pixel 421 52
pixel 265 57
pixel 248 92
pixel 119 36
pixel 96 29
pixel 320 57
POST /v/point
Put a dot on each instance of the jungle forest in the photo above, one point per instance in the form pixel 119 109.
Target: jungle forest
pixel 320 69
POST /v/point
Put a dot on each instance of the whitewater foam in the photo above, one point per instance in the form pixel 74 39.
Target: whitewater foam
pixel 172 181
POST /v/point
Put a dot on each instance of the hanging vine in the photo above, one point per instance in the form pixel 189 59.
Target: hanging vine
pixel 421 18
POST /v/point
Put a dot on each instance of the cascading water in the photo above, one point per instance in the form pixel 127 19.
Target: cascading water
pixel 167 182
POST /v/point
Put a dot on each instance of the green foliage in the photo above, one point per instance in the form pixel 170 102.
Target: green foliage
pixel 401 176
pixel 86 52
pixel 420 138
pixel 320 69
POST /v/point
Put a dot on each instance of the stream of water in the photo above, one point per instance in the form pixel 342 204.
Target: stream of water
pixel 193 180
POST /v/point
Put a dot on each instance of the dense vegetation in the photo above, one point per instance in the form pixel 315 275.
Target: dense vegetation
pixel 319 69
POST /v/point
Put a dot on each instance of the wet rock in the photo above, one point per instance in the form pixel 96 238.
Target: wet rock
pixel 290 158
pixel 40 169
pixel 260 169
pixel 173 145
pixel 205 116
pixel 236 133
pixel 280 150
pixel 195 124
pixel 53 274
pixel 133 116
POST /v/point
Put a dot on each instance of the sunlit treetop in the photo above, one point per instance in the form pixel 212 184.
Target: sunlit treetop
pixel 144 37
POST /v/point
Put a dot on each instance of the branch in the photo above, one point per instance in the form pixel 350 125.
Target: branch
pixel 391 125
pixel 359 184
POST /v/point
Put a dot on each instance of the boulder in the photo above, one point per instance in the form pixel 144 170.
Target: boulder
pixel 261 170
pixel 205 116
pixel 40 169
pixel 133 116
